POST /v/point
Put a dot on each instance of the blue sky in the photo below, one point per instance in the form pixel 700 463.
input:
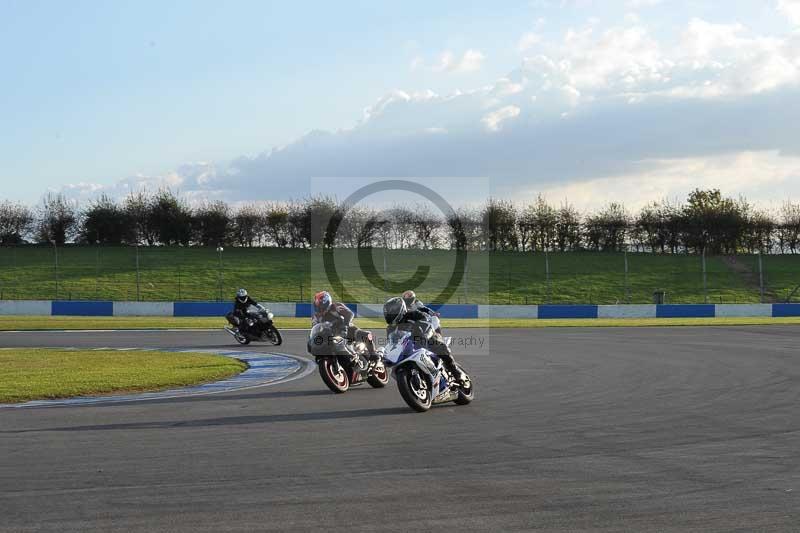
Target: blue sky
pixel 196 94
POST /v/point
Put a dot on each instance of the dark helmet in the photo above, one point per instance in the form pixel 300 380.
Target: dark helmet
pixel 241 295
pixel 322 301
pixel 393 310
pixel 409 297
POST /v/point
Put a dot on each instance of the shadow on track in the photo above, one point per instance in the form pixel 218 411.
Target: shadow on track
pixel 222 397
pixel 229 421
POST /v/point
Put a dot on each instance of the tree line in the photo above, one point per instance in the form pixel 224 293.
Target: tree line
pixel 706 221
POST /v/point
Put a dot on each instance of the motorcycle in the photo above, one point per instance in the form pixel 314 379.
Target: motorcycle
pixel 343 364
pixel 258 326
pixel 421 376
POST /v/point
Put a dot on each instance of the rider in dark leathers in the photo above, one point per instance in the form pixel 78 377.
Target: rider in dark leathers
pixel 341 318
pixel 241 304
pixel 399 317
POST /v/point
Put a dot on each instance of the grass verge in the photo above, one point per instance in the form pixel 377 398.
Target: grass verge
pixel 44 323
pixel 35 374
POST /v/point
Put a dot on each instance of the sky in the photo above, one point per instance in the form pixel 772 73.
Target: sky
pixel 590 101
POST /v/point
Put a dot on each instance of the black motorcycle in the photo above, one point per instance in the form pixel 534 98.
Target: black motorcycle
pixel 343 364
pixel 257 326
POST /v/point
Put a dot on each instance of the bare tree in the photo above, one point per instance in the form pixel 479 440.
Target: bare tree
pixel 426 227
pixel 247 225
pixel 789 229
pixel 16 221
pixel 138 210
pixel 281 228
pixel 499 220
pixel 568 229
pixel 58 219
pixel 212 224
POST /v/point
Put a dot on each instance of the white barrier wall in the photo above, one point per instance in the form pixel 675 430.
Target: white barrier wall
pixel 370 310
pixel 508 311
pixel 25 307
pixel 282 309
pixel 626 311
pixel 743 310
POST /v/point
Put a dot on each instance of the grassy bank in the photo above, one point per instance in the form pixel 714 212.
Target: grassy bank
pixel 180 273
pixel 34 374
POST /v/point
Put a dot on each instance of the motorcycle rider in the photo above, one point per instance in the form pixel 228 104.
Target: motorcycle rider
pixel 241 304
pixel 415 304
pixel 399 317
pixel 341 318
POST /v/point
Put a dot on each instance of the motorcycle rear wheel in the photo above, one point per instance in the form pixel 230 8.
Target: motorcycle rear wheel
pixel 415 389
pixel 336 380
pixel 241 339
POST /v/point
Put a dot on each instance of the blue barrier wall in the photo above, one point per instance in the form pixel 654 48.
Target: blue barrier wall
pixel 456 310
pixel 685 311
pixel 202 308
pixel 304 310
pixel 62 308
pixel 567 311
pixel 786 310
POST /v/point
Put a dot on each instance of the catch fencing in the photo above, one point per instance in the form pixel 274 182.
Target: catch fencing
pixel 140 274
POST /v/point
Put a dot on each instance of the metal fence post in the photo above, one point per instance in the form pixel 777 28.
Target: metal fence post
pixel 97 272
pixel 705 280
pixel 219 272
pixel 761 276
pixel 55 255
pixel 547 275
pixel 466 276
pixel 627 286
pixel 138 288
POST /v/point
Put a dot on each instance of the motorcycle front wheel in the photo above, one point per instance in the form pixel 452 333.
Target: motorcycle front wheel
pixel 333 375
pixel 274 336
pixel 466 393
pixel 415 389
pixel 379 377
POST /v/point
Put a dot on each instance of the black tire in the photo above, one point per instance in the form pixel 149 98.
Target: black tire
pixel 465 394
pixel 274 336
pixel 241 339
pixel 336 382
pixel 405 378
pixel 379 379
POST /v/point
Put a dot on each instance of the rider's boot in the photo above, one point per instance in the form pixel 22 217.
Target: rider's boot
pixel 451 367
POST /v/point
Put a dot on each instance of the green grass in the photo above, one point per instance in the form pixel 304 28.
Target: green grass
pixel 180 273
pixel 34 374
pixel 43 323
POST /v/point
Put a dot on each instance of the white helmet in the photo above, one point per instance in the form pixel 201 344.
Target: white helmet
pixel 241 295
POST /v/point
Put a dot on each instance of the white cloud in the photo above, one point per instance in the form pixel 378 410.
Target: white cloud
pixel 595 113
pixel 528 41
pixel 755 175
pixel 638 4
pixel 791 10
pixel 447 61
pixel 494 119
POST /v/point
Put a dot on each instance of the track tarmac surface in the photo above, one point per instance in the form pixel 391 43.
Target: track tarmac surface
pixel 611 429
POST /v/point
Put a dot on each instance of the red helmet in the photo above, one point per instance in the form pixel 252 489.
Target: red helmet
pixel 322 301
pixel 409 297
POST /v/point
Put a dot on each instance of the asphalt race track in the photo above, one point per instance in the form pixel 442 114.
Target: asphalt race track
pixel 640 429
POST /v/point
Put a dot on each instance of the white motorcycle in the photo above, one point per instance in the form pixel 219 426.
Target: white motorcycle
pixel 421 376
